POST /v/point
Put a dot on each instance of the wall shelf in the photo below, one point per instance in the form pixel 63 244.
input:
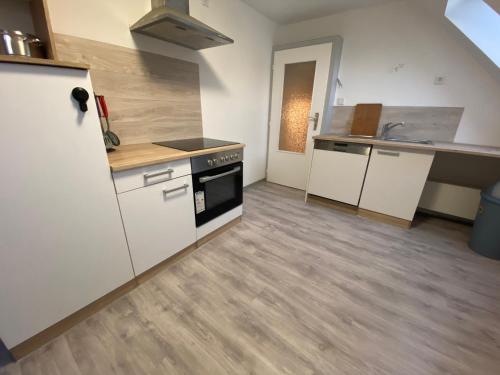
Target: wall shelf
pixel 45 62
pixel 43 30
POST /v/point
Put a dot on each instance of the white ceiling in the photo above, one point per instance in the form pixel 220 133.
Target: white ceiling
pixel 289 11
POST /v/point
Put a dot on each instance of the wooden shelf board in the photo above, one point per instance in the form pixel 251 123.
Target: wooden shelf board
pixel 46 62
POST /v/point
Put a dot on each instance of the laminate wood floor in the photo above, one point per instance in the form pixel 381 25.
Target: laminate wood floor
pixel 299 289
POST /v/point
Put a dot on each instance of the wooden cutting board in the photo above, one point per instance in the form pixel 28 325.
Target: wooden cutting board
pixel 366 119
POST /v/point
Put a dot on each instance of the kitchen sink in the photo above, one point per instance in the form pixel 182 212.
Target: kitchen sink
pixel 420 141
pixel 391 139
pixel 363 136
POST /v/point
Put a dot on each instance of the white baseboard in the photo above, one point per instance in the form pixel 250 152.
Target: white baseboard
pixel 458 201
pixel 218 222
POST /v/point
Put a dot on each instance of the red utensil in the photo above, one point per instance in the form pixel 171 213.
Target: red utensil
pixel 107 140
pixel 114 138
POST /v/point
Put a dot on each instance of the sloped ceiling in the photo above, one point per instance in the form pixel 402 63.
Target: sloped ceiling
pixel 436 9
pixel 478 21
pixel 289 11
pixel 495 4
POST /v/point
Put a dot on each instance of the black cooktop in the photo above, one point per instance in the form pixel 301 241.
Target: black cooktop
pixel 194 144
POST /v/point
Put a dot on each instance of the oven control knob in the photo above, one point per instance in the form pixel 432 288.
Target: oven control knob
pixel 215 161
pixel 236 156
pixel 232 157
pixel 226 158
pixel 210 162
pixel 222 159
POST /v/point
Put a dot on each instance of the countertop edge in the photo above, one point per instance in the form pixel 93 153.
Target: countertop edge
pixel 122 166
pixel 459 148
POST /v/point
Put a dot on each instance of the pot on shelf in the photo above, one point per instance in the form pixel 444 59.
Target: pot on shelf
pixel 14 42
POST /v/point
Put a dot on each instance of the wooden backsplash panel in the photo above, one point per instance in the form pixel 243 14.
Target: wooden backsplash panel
pixel 150 97
pixel 434 123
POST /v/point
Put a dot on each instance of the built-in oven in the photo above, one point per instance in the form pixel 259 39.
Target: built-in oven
pixel 217 184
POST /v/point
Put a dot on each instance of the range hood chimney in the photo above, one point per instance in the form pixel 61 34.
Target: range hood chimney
pixel 169 20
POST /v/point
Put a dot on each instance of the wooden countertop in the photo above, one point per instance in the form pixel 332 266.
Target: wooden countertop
pixel 459 148
pixel 140 155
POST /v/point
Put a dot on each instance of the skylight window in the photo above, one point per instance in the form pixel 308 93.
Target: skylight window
pixel 479 22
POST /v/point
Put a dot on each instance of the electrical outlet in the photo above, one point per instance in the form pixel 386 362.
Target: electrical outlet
pixel 439 80
pixel 340 101
pixel 205 3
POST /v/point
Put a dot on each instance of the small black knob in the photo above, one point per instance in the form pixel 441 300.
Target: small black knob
pixel 81 96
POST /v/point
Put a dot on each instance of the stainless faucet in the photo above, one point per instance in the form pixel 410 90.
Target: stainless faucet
pixel 387 127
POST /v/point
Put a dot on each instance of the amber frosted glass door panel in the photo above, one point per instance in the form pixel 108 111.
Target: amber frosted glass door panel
pixel 297 97
pixel 299 87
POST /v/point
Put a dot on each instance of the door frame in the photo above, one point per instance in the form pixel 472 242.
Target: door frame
pixel 331 89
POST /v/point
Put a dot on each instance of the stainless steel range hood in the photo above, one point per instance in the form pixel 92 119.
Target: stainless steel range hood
pixel 169 20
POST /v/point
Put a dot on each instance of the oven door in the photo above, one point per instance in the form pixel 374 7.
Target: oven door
pixel 217 191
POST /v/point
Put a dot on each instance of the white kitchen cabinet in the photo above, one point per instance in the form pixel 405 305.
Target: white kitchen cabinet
pixel 338 170
pixel 159 221
pixel 62 244
pixel 394 181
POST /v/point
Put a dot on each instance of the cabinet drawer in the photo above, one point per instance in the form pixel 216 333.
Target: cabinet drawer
pixel 159 221
pixel 153 174
pixel 395 180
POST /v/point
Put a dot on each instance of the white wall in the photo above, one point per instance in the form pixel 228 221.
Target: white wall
pixel 379 38
pixel 234 79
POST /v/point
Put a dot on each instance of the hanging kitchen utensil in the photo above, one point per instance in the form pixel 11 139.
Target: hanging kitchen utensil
pixel 114 138
pixel 107 140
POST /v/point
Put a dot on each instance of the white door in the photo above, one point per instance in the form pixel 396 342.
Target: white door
pixel 300 80
pixel 159 221
pixel 62 244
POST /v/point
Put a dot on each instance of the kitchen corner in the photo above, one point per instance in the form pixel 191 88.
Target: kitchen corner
pixel 172 198
pixel 124 206
pixel 389 178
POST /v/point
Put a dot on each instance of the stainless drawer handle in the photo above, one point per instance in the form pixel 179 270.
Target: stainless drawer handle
pixel 388 153
pixel 210 178
pixel 159 173
pixel 185 186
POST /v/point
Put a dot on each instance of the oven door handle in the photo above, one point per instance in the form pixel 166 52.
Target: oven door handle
pixel 211 178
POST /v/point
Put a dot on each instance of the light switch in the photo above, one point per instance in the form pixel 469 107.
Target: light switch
pixel 340 101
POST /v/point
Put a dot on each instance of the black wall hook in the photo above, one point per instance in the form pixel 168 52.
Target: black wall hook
pixel 81 96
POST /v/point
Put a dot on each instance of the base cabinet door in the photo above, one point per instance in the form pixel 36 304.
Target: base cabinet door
pixel 395 180
pixel 159 221
pixel 337 175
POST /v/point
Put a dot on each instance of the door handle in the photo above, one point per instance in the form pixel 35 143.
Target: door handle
pixel 388 153
pixel 165 191
pixel 210 178
pixel 314 119
pixel 159 173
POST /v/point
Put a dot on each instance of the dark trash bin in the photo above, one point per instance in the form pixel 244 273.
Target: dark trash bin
pixel 486 232
pixel 5 356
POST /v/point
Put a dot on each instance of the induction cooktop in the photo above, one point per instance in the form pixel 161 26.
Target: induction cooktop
pixel 194 144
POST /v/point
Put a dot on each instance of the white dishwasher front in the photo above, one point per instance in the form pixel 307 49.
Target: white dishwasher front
pixel 338 170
